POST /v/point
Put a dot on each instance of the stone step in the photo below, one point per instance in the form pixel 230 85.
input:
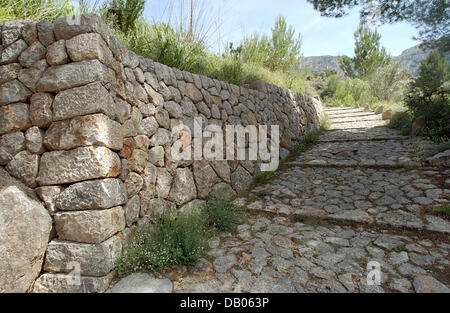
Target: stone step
pixel 343 110
pixel 391 198
pixel 348 119
pixel 293 255
pixel 384 153
pixel 336 115
pixel 358 134
pixel 359 124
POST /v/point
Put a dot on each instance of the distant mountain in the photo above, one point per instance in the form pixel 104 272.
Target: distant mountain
pixel 410 57
pixel 320 63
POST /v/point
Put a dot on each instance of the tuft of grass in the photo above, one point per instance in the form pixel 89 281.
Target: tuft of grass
pixel 402 121
pixel 442 211
pixel 264 177
pixel 308 140
pixel 221 214
pixel 429 150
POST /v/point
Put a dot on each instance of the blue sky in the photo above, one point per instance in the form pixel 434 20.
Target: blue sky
pixel 321 35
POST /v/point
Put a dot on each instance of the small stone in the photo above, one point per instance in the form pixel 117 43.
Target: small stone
pixel 193 93
pixel 10 145
pixel 398 258
pixel 224 263
pixel 34 138
pixel 32 54
pixel 11 53
pixel 142 283
pixel 183 188
pixel 56 53
pixel 41 109
pixel 24 166
pixel 160 138
pixel 134 183
pixel 132 209
pixel 428 284
pixel 400 284
pixel 49 195
pixel 9 72
pixel 205 178
pixel 13 91
pixel 45 32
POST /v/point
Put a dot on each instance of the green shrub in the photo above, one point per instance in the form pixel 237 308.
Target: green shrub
pixel 402 121
pixel 11 10
pixel 436 110
pixel 353 91
pixel 124 13
pixel 221 214
pixel 169 241
pixel 308 140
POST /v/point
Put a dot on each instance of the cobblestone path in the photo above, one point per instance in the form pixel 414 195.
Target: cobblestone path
pixel 359 195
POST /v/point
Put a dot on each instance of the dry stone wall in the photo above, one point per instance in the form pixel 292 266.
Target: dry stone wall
pixel 86 125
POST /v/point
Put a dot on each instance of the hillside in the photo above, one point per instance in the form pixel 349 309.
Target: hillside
pixel 410 57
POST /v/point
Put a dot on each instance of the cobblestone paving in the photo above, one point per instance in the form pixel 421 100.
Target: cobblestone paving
pixel 320 223
pixel 358 196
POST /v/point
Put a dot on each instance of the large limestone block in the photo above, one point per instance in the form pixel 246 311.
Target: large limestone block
pixel 92 226
pixel 89 130
pixel 94 259
pixel 183 187
pixel 61 77
pixel 25 227
pixel 89 99
pixel 93 194
pixel 205 178
pixel 87 47
pixel 69 283
pixel 63 167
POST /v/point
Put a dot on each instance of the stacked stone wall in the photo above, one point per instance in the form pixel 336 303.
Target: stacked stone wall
pixel 87 125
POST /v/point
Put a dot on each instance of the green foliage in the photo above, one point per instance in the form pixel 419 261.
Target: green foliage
pixel 34 9
pixel 435 109
pixel 388 84
pixel 429 97
pixel 442 211
pixel 264 177
pixel 434 148
pixel 353 91
pixel 434 70
pixel 402 121
pixel 182 240
pixel 308 140
pixel 169 241
pixel 430 17
pixel 124 13
pixel 369 55
pixel 221 214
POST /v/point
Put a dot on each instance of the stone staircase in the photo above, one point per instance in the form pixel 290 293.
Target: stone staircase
pixel 358 196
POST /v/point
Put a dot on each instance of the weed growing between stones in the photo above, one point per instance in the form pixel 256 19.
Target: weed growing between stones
pixel 442 211
pixel 221 214
pixel 306 142
pixel 181 240
pixel 263 177
pixel 429 150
